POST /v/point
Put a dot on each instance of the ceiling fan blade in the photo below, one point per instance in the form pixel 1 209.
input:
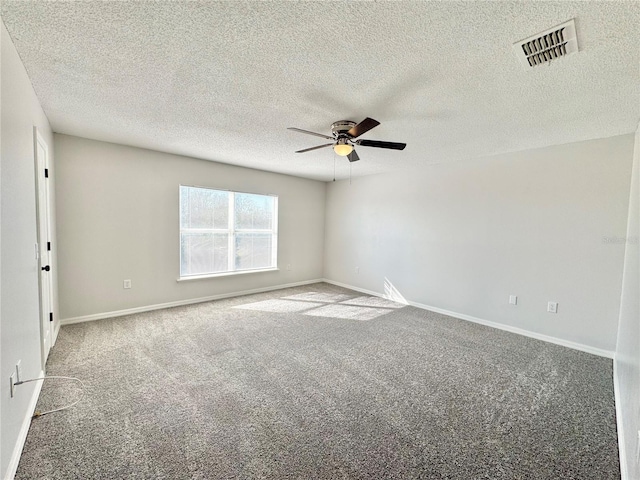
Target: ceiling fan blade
pixel 353 156
pixel 314 148
pixel 378 144
pixel 310 133
pixel 363 127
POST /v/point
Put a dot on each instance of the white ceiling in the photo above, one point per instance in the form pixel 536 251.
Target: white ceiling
pixel 222 80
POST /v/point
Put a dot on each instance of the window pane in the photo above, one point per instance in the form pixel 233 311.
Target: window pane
pixel 253 250
pixel 222 231
pixel 254 211
pixel 203 253
pixel 203 208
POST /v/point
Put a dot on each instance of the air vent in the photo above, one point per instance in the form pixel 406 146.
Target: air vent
pixel 557 42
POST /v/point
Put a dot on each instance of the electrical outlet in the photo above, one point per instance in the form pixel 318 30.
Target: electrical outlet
pixel 19 371
pixel 552 307
pixel 638 447
pixel 513 300
pixel 288 266
pixel 12 381
pixel 126 284
pixel 358 270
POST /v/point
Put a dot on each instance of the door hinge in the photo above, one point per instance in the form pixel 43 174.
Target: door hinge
pixel 51 316
pixel 46 173
pixel 49 246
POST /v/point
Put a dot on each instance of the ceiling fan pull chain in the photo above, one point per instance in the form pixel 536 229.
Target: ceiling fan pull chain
pixel 334 167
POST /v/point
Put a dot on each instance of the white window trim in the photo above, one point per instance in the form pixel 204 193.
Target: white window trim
pixel 231 231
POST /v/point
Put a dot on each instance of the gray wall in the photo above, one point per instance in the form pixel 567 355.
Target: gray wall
pixel 540 224
pixel 118 219
pixel 627 367
pixel 19 310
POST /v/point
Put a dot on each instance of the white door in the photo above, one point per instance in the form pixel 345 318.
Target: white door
pixel 44 244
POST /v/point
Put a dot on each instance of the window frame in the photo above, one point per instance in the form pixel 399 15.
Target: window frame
pixel 231 231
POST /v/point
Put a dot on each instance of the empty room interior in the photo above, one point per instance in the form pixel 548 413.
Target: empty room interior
pixel 324 240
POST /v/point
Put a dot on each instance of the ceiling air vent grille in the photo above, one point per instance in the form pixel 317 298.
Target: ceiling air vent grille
pixel 549 45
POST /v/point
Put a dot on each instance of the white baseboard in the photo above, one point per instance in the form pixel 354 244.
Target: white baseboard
pixel 160 306
pixel 520 331
pixel 461 316
pixel 24 430
pixel 624 472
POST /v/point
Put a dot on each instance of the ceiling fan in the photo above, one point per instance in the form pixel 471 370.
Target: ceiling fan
pixel 344 135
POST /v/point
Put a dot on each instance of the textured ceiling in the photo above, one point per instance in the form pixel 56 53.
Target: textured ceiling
pixel 223 80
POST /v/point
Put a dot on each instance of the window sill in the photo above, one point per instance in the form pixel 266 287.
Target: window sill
pixel 224 274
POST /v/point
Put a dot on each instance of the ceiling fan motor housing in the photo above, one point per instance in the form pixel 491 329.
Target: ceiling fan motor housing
pixel 341 127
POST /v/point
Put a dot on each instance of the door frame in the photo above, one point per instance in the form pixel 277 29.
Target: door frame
pixel 43 247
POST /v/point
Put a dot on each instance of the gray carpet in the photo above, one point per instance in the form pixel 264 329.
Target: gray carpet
pixel 319 382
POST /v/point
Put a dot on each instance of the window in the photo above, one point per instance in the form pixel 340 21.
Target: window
pixel 223 232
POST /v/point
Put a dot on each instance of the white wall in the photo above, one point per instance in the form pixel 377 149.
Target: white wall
pixel 463 237
pixel 627 362
pixel 19 312
pixel 118 219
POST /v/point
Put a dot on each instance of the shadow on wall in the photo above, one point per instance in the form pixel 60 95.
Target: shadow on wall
pixel 317 304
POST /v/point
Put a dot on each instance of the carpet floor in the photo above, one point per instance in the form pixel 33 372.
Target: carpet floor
pixel 319 382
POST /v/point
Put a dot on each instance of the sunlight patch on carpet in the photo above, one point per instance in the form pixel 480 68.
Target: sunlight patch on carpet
pixel 319 297
pixel 349 312
pixel 279 306
pixel 374 302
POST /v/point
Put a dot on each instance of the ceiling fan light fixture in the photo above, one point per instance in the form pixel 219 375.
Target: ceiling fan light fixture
pixel 342 147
